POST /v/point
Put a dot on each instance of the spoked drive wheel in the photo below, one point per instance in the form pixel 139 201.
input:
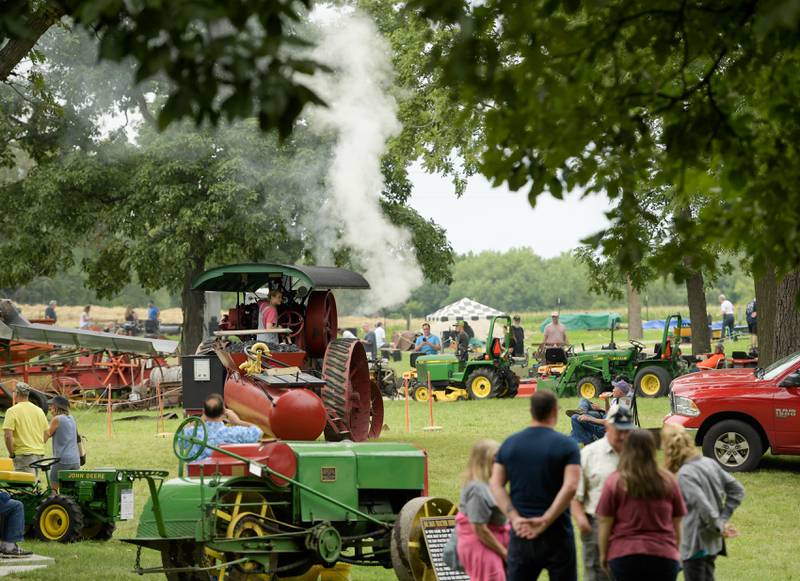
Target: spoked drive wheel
pixel 322 322
pixel 375 411
pixel 347 394
pixel 291 319
pixel 410 559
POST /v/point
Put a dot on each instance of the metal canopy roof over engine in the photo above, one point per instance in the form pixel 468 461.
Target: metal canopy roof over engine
pixel 251 277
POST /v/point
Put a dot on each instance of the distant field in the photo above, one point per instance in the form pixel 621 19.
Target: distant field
pixel 69 316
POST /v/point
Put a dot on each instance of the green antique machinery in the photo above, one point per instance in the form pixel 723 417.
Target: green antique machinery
pixel 589 373
pixel 279 510
pixel 487 375
pixel 88 505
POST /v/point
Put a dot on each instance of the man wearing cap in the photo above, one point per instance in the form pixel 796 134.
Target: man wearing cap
pixel 555 334
pixel 23 429
pixel 518 333
pixel 588 421
pixel 598 460
pixel 462 342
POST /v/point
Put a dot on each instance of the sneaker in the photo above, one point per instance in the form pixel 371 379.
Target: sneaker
pixel 14 550
pixel 571 413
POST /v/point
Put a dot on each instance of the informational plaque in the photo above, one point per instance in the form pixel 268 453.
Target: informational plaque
pixel 126 504
pixel 437 531
pixel 202 370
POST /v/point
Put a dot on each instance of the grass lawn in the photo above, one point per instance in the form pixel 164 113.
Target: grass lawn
pixel 767 520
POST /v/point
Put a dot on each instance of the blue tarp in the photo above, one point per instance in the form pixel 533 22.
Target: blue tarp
pixel 658 324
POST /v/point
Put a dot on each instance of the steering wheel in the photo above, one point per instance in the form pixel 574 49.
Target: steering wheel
pixel 292 320
pixel 183 444
pixel 44 463
pixel 640 346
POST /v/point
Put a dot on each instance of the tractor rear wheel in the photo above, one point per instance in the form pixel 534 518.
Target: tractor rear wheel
pixel 410 559
pixel 482 383
pixel 99 531
pixel 59 518
pixel 347 392
pixel 652 381
pixel 589 387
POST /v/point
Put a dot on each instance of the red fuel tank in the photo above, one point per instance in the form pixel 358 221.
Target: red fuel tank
pixel 292 413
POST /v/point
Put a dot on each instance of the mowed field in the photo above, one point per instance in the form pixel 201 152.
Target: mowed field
pixel 767 520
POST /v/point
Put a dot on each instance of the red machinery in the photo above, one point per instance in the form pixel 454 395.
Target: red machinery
pixel 329 388
pixel 70 361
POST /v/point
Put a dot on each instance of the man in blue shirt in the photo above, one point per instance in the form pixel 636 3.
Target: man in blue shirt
pixel 152 323
pixel 215 414
pixel 426 343
pixel 543 468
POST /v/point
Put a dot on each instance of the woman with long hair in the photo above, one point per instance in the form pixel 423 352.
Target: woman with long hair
pixel 711 496
pixel 481 526
pixel 640 513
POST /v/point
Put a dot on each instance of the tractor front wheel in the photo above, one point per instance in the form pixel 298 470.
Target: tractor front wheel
pixel 59 518
pixel 589 387
pixel 652 381
pixel 482 383
pixel 421 393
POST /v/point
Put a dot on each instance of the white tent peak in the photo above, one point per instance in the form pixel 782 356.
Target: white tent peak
pixel 465 309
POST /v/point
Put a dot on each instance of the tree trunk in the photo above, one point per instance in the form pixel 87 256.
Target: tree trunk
pixel 634 312
pixel 36 25
pixel 766 289
pixel 786 331
pixel 698 313
pixel 192 304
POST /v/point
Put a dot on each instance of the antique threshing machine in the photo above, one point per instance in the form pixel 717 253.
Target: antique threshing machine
pixel 288 510
pixel 312 382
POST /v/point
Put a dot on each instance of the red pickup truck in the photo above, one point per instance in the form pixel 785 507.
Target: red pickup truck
pixel 737 414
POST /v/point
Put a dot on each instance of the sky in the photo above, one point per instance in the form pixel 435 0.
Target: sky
pixel 487 218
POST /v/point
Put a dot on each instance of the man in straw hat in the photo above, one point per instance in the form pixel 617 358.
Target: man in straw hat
pixel 23 429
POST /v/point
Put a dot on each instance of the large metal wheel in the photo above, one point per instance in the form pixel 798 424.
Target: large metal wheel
pixel 322 322
pixel 347 392
pixel 375 411
pixel 410 559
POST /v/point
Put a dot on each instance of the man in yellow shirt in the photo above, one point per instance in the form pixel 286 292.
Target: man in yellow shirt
pixel 23 429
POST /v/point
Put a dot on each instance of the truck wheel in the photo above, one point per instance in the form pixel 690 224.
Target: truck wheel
pixel 589 387
pixel 734 444
pixel 652 381
pixel 482 384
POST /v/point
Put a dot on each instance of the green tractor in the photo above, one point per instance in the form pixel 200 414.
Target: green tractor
pixel 487 375
pixel 290 510
pixel 88 505
pixel 589 373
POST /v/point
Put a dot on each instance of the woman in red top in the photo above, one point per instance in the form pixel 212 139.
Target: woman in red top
pixel 640 512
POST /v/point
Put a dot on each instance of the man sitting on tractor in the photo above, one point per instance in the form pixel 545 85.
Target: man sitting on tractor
pixel 12 514
pixel 588 420
pixel 215 414
pixel 462 342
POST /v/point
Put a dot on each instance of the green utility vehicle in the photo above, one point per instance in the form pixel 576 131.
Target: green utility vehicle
pixel 488 375
pixel 589 373
pixel 88 505
pixel 279 509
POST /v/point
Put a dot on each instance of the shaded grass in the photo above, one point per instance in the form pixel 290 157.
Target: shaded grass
pixel 767 520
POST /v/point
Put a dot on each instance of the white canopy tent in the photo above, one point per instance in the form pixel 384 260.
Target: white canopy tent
pixel 477 315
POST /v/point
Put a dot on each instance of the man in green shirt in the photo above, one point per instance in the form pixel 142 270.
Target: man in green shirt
pixel 23 430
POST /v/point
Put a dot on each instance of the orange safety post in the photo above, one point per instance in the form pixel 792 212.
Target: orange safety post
pixel 408 417
pixel 431 427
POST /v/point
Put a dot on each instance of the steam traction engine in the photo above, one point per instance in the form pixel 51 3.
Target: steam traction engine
pixel 311 382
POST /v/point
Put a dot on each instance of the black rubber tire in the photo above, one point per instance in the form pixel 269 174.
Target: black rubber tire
pixel 485 372
pixel 743 434
pixel 596 383
pixel 99 531
pixel 663 377
pixel 69 509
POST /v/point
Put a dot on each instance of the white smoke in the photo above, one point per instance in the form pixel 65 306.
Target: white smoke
pixel 363 117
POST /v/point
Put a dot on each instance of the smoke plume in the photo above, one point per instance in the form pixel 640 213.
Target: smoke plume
pixel 363 117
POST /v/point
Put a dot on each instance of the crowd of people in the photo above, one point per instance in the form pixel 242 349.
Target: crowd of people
pixel 637 520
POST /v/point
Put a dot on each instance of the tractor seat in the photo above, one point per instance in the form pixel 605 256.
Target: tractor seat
pixel 8 474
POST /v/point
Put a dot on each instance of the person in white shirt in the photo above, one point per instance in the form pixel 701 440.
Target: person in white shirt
pixel 86 319
pixel 726 308
pixel 380 335
pixel 598 460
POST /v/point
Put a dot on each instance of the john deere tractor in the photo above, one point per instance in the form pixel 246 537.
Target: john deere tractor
pixel 589 373
pixel 290 510
pixel 88 505
pixel 487 375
